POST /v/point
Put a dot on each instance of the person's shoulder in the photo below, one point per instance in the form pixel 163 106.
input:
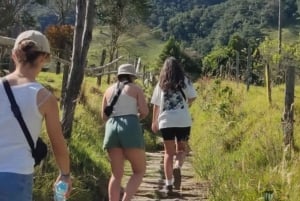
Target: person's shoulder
pixel 44 92
pixel 37 83
pixel 107 91
pixel 135 86
pixel 137 89
pixel 40 86
pixel 187 79
pixel 111 87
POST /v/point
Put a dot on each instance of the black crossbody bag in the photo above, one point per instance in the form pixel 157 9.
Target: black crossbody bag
pixel 40 151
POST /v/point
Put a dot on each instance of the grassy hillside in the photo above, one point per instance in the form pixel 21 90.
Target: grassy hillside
pixel 138 42
pixel 237 140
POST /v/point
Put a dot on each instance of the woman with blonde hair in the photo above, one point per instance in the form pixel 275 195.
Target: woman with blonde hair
pixel 31 51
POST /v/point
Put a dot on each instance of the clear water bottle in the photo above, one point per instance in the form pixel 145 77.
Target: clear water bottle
pixel 61 189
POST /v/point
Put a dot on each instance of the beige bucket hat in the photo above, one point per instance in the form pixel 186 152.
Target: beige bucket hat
pixel 127 69
pixel 37 37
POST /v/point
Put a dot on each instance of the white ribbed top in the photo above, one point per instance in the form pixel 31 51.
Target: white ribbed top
pixel 125 105
pixel 15 152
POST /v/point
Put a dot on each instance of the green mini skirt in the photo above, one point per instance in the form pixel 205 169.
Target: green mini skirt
pixel 123 132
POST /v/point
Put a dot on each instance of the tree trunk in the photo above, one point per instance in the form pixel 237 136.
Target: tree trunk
pixel 279 34
pixel 57 69
pixel 288 115
pixel 279 27
pixel 66 70
pixel 85 10
pixel 64 84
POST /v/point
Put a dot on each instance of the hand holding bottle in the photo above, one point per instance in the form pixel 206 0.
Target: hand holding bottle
pixel 62 188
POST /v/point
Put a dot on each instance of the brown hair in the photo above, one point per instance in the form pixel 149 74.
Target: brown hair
pixel 125 77
pixel 27 52
pixel 171 75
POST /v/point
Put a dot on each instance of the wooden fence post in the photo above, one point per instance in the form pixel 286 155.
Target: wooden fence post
pixel 138 64
pixel 268 83
pixel 288 115
pixel 237 66
pixel 102 60
pixel 249 67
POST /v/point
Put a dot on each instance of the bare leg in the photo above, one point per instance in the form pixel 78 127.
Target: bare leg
pixel 137 159
pixel 117 159
pixel 180 153
pixel 170 151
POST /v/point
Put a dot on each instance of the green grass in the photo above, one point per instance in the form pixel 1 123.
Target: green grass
pixel 90 166
pixel 237 140
pixel 89 163
pixel 138 42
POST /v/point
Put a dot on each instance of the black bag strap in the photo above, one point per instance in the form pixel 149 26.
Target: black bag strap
pixel 16 110
pixel 182 93
pixel 120 87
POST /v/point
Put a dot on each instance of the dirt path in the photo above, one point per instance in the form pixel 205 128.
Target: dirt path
pixel 153 182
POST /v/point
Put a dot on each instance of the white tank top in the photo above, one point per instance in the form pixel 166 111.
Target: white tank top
pixel 125 105
pixel 15 152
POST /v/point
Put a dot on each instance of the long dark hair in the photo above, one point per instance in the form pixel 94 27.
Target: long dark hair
pixel 171 75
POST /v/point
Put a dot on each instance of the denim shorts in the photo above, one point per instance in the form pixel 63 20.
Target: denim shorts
pixel 15 187
pixel 123 132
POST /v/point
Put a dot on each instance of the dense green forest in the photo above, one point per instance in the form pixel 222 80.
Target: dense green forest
pixel 205 24
pixel 200 27
pixel 200 24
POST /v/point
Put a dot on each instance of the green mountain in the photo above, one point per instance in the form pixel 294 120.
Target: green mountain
pixel 204 25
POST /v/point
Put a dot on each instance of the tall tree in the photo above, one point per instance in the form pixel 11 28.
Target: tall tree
pixel 61 40
pixel 172 48
pixel 120 15
pixel 64 7
pixel 14 15
pixel 85 10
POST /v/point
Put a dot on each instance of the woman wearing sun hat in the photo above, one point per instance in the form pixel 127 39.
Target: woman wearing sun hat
pixel 123 133
pixel 31 51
